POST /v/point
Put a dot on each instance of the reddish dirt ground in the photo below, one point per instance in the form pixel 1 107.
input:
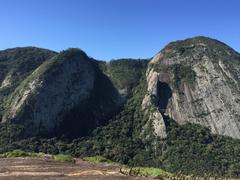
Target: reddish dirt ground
pixel 47 169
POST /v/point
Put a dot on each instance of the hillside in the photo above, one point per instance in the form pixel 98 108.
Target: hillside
pixel 16 64
pixel 178 111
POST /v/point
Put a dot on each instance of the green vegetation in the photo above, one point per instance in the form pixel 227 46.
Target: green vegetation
pixel 189 149
pixel 17 64
pixel 146 171
pixel 20 153
pixel 97 159
pixel 211 47
pixel 192 149
pixel 182 73
pixel 125 73
pixel 103 101
pixel 120 137
pixel 63 158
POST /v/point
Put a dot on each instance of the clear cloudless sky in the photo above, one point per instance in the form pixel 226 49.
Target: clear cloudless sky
pixel 110 29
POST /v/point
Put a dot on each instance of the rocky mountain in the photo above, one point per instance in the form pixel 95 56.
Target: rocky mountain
pixel 198 81
pixel 53 88
pixel 195 80
pixel 67 94
pixel 180 105
pixel 15 65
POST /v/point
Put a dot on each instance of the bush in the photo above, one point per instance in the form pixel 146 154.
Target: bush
pixel 63 158
pixel 146 171
pixel 17 153
pixel 20 153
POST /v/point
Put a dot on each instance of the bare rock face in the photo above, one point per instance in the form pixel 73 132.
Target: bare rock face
pixel 54 88
pixel 198 81
pixel 150 108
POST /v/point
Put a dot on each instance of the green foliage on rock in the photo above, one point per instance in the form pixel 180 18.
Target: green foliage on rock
pixel 179 73
pixel 195 48
pixel 182 73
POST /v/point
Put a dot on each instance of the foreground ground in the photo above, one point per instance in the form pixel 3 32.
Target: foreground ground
pixel 48 169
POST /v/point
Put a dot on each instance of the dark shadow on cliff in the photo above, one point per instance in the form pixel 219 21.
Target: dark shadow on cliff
pixel 164 94
pixel 96 111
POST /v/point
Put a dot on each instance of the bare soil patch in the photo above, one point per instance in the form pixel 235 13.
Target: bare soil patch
pixel 47 169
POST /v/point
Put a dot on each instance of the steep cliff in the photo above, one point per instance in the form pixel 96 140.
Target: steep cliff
pixel 196 80
pixel 56 98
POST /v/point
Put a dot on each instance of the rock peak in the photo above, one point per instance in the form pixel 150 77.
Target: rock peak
pixel 203 74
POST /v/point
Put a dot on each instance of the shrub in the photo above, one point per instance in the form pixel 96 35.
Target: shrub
pixel 20 153
pixel 63 158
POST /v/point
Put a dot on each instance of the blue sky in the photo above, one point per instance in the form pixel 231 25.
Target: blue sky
pixel 110 29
